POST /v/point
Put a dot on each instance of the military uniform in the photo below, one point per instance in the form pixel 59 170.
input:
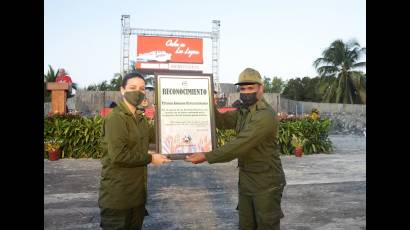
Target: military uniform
pixel 123 185
pixel 261 176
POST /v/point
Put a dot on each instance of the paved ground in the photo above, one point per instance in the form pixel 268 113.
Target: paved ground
pixel 324 191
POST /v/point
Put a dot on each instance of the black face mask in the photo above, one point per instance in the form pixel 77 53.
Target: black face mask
pixel 248 99
pixel 134 97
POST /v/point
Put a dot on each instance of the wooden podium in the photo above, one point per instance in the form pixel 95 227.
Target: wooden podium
pixel 58 96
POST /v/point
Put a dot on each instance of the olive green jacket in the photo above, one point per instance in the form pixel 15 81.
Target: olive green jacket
pixel 125 157
pixel 255 146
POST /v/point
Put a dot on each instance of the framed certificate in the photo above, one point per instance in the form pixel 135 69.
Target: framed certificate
pixel 185 121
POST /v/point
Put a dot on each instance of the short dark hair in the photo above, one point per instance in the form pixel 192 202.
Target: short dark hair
pixel 131 75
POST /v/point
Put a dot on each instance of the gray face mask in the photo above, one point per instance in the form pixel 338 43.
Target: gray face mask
pixel 134 97
pixel 248 99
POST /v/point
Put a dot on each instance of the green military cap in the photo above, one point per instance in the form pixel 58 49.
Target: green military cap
pixel 249 76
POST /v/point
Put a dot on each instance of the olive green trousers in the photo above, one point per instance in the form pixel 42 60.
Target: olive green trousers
pixel 261 211
pixel 118 219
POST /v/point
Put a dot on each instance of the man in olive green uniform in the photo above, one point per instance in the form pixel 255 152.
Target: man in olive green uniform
pixel 123 185
pixel 261 177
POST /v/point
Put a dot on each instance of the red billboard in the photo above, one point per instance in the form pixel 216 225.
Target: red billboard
pixel 169 50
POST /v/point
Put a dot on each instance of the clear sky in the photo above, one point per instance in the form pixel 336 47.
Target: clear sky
pixel 276 37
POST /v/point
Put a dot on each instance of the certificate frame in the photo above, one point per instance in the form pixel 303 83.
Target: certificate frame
pixel 162 118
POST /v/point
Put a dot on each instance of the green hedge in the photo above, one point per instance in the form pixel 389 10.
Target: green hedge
pixel 81 135
pixel 224 135
pixel 314 131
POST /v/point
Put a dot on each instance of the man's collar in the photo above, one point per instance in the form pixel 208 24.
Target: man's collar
pixel 260 104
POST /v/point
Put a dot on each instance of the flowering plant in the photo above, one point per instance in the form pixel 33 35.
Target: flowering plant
pixel 314 114
pixel 52 145
pixel 297 142
pixel 283 116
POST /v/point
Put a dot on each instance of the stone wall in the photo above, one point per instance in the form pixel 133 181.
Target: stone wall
pixel 347 123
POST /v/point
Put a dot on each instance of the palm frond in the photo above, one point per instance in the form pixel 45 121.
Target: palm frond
pixel 322 61
pixel 51 75
pixel 330 92
pixel 327 70
pixel 358 82
pixel 339 90
pixel 353 43
pixel 359 64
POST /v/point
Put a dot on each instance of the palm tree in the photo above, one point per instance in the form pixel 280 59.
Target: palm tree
pixel 341 60
pixel 51 75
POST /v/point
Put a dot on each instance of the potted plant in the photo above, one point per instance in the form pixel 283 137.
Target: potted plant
pixel 297 143
pixel 314 114
pixel 52 146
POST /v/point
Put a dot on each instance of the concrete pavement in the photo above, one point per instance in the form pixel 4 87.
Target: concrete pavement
pixel 324 191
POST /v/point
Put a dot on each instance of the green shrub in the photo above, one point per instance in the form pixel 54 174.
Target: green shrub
pixel 80 135
pixel 224 135
pixel 314 131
